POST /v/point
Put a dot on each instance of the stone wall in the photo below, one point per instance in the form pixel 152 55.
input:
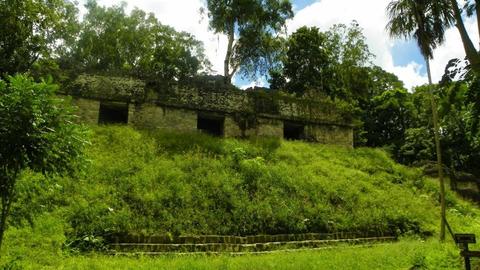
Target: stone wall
pixel 245 113
pixel 330 134
pixel 107 88
pixel 87 109
pixel 200 99
pixel 270 105
pixel 153 116
pixel 232 128
pixel 269 127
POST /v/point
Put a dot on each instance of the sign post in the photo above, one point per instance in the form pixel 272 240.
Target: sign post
pixel 462 240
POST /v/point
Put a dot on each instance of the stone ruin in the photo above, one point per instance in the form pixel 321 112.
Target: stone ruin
pixel 206 104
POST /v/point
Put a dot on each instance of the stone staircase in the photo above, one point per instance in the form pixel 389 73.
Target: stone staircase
pixel 157 245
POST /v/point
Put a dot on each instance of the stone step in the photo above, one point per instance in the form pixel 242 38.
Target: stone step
pixel 207 239
pixel 153 248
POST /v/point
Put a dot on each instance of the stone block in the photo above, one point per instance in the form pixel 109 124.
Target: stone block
pixel 152 116
pixel 87 110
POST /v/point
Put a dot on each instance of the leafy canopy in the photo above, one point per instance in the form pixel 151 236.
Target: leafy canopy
pixel 251 27
pixel 37 129
pixel 32 30
pixel 113 42
pixel 424 20
pixel 330 63
pixel 37 132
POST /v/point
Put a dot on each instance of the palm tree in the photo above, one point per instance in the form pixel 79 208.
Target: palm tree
pixel 472 54
pixel 450 9
pixel 426 22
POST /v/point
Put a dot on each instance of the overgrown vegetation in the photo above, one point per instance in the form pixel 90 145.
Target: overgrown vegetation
pixel 157 182
pixel 37 133
pixel 176 183
pixel 407 254
pixel 189 184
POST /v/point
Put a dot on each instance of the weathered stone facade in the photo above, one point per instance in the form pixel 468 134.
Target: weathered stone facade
pixel 225 112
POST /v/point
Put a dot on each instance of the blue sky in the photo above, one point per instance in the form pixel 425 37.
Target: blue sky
pixel 300 4
pixel 402 52
pixel 405 52
pixel 397 56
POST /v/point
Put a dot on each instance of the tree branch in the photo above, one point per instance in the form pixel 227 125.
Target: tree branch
pixel 228 56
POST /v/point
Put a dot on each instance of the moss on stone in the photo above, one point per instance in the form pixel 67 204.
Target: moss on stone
pixel 210 93
pixel 107 88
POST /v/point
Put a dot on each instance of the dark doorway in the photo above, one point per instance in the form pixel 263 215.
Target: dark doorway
pixel 293 131
pixel 211 124
pixel 113 113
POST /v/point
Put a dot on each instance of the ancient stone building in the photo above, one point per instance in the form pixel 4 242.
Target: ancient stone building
pixel 208 106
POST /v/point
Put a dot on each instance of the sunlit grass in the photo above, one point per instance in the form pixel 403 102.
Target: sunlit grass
pixel 403 255
pixel 187 183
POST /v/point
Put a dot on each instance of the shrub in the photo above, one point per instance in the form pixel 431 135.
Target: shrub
pixel 167 183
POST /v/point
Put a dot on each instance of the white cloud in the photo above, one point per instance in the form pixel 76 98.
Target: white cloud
pixel 410 74
pixel 371 18
pixel 452 48
pixel 260 82
pixel 371 15
pixel 183 15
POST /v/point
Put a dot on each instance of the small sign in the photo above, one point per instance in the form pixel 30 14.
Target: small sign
pixel 465 238
pixel 470 253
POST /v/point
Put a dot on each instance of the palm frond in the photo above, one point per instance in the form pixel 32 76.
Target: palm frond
pixel 423 20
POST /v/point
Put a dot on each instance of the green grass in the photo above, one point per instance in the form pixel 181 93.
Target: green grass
pixel 180 183
pixel 402 255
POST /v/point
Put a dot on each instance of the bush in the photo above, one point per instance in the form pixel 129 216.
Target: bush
pixel 159 182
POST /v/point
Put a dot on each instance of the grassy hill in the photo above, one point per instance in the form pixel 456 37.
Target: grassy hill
pixel 176 184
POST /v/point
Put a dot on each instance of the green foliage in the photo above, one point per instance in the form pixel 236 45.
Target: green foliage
pixel 113 42
pixel 388 118
pixel 401 121
pixel 41 242
pixel 406 254
pixel 373 82
pixel 251 27
pixel 37 129
pixel 145 182
pixel 418 145
pixel 308 61
pixel 32 30
pixel 460 132
pixel 169 183
pixel 36 132
pixel 332 63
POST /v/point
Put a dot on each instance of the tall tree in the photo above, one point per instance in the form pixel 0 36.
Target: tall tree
pixel 424 21
pixel 308 61
pixel 450 8
pixel 370 83
pixel 32 30
pixel 332 63
pixel 388 117
pixel 37 132
pixel 351 60
pixel 251 27
pixel 136 44
pixel 450 13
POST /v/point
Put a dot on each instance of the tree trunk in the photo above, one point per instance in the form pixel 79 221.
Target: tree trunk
pixel 6 202
pixel 472 55
pixel 477 11
pixel 439 153
pixel 228 56
pixel 7 193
